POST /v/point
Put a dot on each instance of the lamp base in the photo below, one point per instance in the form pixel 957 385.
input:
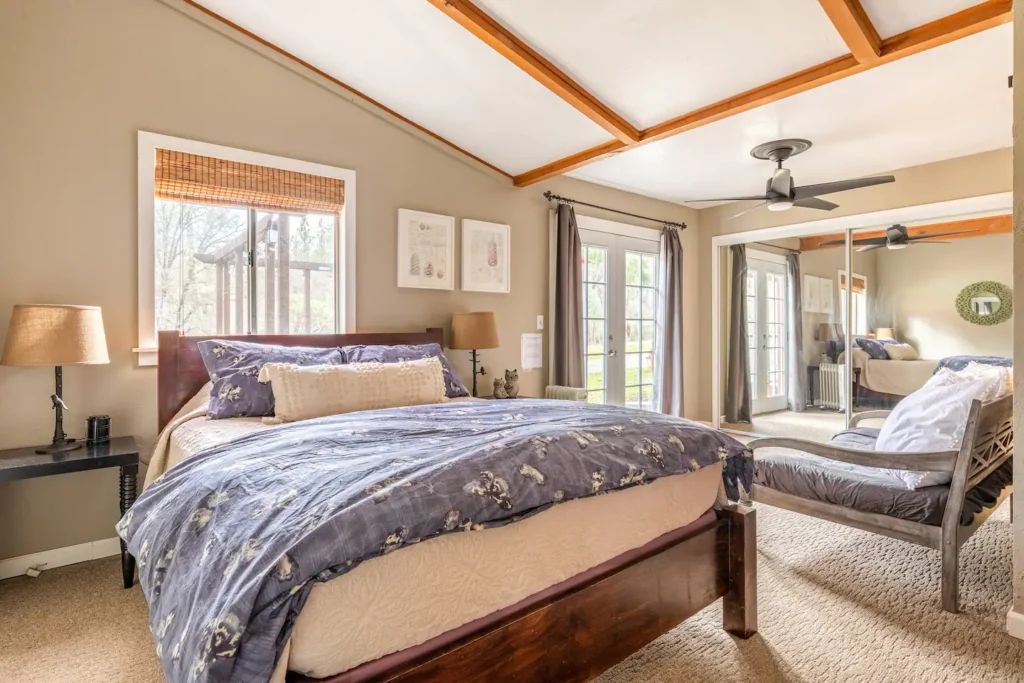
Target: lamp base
pixel 59 447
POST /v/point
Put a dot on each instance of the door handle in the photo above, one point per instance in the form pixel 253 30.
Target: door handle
pixel 611 353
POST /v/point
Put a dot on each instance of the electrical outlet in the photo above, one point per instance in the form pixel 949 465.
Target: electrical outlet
pixel 540 322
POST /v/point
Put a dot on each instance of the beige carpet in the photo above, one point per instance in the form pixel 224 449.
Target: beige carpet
pixel 837 606
pixel 813 424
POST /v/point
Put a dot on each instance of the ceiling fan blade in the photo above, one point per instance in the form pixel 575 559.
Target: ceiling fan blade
pixel 872 247
pixel 755 206
pixel 840 186
pixel 941 234
pixel 760 197
pixel 934 242
pixel 781 182
pixel 815 203
pixel 857 243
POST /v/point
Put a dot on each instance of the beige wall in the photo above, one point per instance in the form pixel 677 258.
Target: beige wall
pixel 976 175
pixel 826 263
pixel 79 80
pixel 917 287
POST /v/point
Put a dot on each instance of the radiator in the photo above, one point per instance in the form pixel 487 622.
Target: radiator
pixel 831 375
pixel 565 393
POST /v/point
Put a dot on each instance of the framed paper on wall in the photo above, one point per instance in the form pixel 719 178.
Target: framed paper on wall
pixel 485 257
pixel 426 250
pixel 826 303
pixel 811 295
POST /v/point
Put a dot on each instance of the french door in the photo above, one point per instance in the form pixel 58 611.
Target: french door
pixel 767 340
pixel 620 306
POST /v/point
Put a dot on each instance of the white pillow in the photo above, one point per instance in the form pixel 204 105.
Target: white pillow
pixel 900 351
pixel 934 417
pixel 306 392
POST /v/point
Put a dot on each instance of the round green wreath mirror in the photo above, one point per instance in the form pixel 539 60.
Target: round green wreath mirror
pixel 985 303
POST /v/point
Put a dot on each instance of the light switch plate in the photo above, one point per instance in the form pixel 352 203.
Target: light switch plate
pixel 540 322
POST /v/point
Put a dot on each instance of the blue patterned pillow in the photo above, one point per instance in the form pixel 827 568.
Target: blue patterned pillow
pixel 875 348
pixel 235 365
pixel 381 353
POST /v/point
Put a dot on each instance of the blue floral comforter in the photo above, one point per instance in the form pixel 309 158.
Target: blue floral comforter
pixel 230 541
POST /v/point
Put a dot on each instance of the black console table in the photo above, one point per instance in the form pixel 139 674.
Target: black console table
pixel 123 452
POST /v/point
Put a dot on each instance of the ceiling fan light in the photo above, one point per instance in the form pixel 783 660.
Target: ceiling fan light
pixel 780 205
pixel 895 246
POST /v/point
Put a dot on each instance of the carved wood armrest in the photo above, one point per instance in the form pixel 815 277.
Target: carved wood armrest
pixel 943 461
pixel 868 415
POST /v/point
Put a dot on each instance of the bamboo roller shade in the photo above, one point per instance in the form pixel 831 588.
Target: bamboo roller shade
pixel 205 180
pixel 859 283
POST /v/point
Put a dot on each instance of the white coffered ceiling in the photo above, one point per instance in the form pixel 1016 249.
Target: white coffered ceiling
pixel 650 61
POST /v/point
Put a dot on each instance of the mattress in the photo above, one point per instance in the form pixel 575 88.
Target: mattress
pixel 400 600
pixel 897 377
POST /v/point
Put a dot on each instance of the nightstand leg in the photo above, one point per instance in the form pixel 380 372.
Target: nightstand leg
pixel 128 476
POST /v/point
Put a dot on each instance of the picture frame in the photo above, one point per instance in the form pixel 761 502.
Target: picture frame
pixel 486 257
pixel 811 295
pixel 826 303
pixel 426 250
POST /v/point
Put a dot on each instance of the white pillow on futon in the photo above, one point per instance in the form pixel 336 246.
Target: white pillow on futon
pixel 934 417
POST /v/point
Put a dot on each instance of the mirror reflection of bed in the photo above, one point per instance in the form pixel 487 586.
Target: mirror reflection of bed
pixel 916 307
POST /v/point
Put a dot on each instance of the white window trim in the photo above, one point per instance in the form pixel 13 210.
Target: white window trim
pixel 842 299
pixel 345 240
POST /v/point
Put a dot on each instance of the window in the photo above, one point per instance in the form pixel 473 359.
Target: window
pixel 234 242
pixel 859 302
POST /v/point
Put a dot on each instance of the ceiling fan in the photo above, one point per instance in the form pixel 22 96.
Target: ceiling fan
pixel 895 238
pixel 781 194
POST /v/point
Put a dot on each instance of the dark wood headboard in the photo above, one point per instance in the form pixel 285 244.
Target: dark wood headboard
pixel 181 373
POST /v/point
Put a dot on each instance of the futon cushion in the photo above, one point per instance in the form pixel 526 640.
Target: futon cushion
pixel 867 489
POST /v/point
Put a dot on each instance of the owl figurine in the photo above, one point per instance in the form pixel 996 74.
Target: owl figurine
pixel 512 383
pixel 499 388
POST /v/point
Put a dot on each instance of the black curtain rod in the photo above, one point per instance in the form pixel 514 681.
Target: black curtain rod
pixel 775 246
pixel 565 200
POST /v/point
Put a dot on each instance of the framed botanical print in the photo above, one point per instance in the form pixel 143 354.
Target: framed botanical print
pixel 486 259
pixel 426 250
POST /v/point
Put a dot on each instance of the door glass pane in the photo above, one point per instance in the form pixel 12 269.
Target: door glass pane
pixel 775 331
pixel 595 308
pixel 641 329
pixel 200 274
pixel 752 328
pixel 295 286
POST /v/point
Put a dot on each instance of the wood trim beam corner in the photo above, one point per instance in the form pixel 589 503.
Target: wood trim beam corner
pixel 942 31
pixel 856 29
pixel 989 225
pixel 508 45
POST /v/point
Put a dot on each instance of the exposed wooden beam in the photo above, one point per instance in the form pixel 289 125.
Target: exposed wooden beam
pixel 503 41
pixel 940 32
pixel 990 225
pixel 335 81
pixel 856 29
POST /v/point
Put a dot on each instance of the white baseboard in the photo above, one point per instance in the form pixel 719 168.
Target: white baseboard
pixel 59 557
pixel 1015 624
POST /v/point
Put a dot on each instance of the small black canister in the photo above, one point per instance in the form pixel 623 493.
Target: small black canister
pixel 98 429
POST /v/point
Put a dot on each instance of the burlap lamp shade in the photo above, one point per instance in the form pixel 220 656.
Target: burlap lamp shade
pixel 54 336
pixel 43 335
pixel 474 331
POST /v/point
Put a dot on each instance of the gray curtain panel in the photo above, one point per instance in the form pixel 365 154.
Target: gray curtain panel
pixel 737 380
pixel 670 348
pixel 568 361
pixel 797 399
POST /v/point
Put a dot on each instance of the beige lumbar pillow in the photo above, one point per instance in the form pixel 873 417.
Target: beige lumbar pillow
pixel 900 351
pixel 306 392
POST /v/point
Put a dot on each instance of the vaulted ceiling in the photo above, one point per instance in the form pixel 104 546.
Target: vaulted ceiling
pixel 666 97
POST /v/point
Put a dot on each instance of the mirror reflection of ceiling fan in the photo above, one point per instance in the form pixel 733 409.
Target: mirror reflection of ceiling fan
pixel 782 194
pixel 896 237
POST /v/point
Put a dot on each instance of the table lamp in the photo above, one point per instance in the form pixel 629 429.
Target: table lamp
pixel 834 334
pixel 884 333
pixel 47 335
pixel 474 331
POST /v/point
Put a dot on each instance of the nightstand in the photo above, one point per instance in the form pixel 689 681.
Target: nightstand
pixel 122 452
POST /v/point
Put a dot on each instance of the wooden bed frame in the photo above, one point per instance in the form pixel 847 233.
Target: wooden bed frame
pixel 574 633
